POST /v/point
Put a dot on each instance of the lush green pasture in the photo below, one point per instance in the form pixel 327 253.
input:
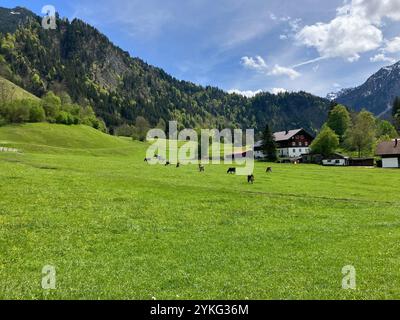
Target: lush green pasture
pixel 115 227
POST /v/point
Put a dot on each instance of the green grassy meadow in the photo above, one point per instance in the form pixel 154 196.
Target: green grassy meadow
pixel 117 228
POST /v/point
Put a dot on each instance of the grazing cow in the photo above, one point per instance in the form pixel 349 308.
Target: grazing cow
pixel 269 170
pixel 231 171
pixel 167 163
pixel 201 168
pixel 250 179
pixel 178 165
pixel 147 160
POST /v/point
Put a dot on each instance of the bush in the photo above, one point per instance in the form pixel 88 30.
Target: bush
pixel 36 113
pixel 51 105
pixel 65 118
pixel 125 131
pixel 17 111
pixel 3 121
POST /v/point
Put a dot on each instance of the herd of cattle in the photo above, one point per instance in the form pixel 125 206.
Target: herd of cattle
pixel 250 178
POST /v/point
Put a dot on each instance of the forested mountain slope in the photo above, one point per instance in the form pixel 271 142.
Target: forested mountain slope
pixel 77 59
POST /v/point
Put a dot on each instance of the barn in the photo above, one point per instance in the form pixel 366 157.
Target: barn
pixel 389 151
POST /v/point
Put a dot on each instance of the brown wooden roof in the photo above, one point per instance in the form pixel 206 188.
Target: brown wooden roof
pixel 388 148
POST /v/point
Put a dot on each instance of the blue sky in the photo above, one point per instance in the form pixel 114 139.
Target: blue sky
pixel 248 45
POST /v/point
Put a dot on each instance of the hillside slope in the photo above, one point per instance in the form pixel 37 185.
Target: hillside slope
pixel 50 138
pixel 12 19
pixel 78 59
pixel 9 91
pixel 376 94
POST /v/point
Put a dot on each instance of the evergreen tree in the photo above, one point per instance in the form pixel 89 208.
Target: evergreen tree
pixel 396 107
pixel 269 145
pixel 396 112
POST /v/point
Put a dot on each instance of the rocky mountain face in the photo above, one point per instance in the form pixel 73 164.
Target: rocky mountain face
pixel 76 58
pixel 376 94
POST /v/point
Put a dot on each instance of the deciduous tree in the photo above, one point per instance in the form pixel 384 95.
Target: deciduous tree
pixel 339 120
pixel 361 136
pixel 326 142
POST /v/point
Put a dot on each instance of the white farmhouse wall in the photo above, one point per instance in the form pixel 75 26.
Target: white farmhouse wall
pixel 334 162
pixel 293 152
pixel 259 155
pixel 390 162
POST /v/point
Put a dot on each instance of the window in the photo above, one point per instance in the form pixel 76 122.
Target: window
pixel 300 144
pixel 293 144
pixel 294 150
pixel 337 161
pixel 306 143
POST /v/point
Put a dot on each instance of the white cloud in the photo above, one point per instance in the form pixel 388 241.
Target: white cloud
pixel 373 10
pixel 278 90
pixel 259 64
pixel 256 63
pixel 277 70
pixel 382 58
pixel 392 46
pixel 354 30
pixel 295 24
pixel 345 36
pixel 251 93
pixel 248 93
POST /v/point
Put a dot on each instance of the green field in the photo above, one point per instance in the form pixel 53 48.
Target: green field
pixel 115 227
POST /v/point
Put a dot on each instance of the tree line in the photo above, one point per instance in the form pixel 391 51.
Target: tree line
pixel 356 133
pixel 51 108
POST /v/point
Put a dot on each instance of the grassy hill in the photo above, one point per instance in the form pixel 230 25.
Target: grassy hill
pixel 54 138
pixel 116 227
pixel 9 90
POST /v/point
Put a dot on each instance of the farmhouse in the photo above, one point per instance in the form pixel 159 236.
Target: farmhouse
pixel 290 144
pixel 336 160
pixel 390 153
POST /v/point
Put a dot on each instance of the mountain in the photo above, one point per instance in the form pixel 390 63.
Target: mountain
pixel 376 94
pixel 77 59
pixel 12 19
